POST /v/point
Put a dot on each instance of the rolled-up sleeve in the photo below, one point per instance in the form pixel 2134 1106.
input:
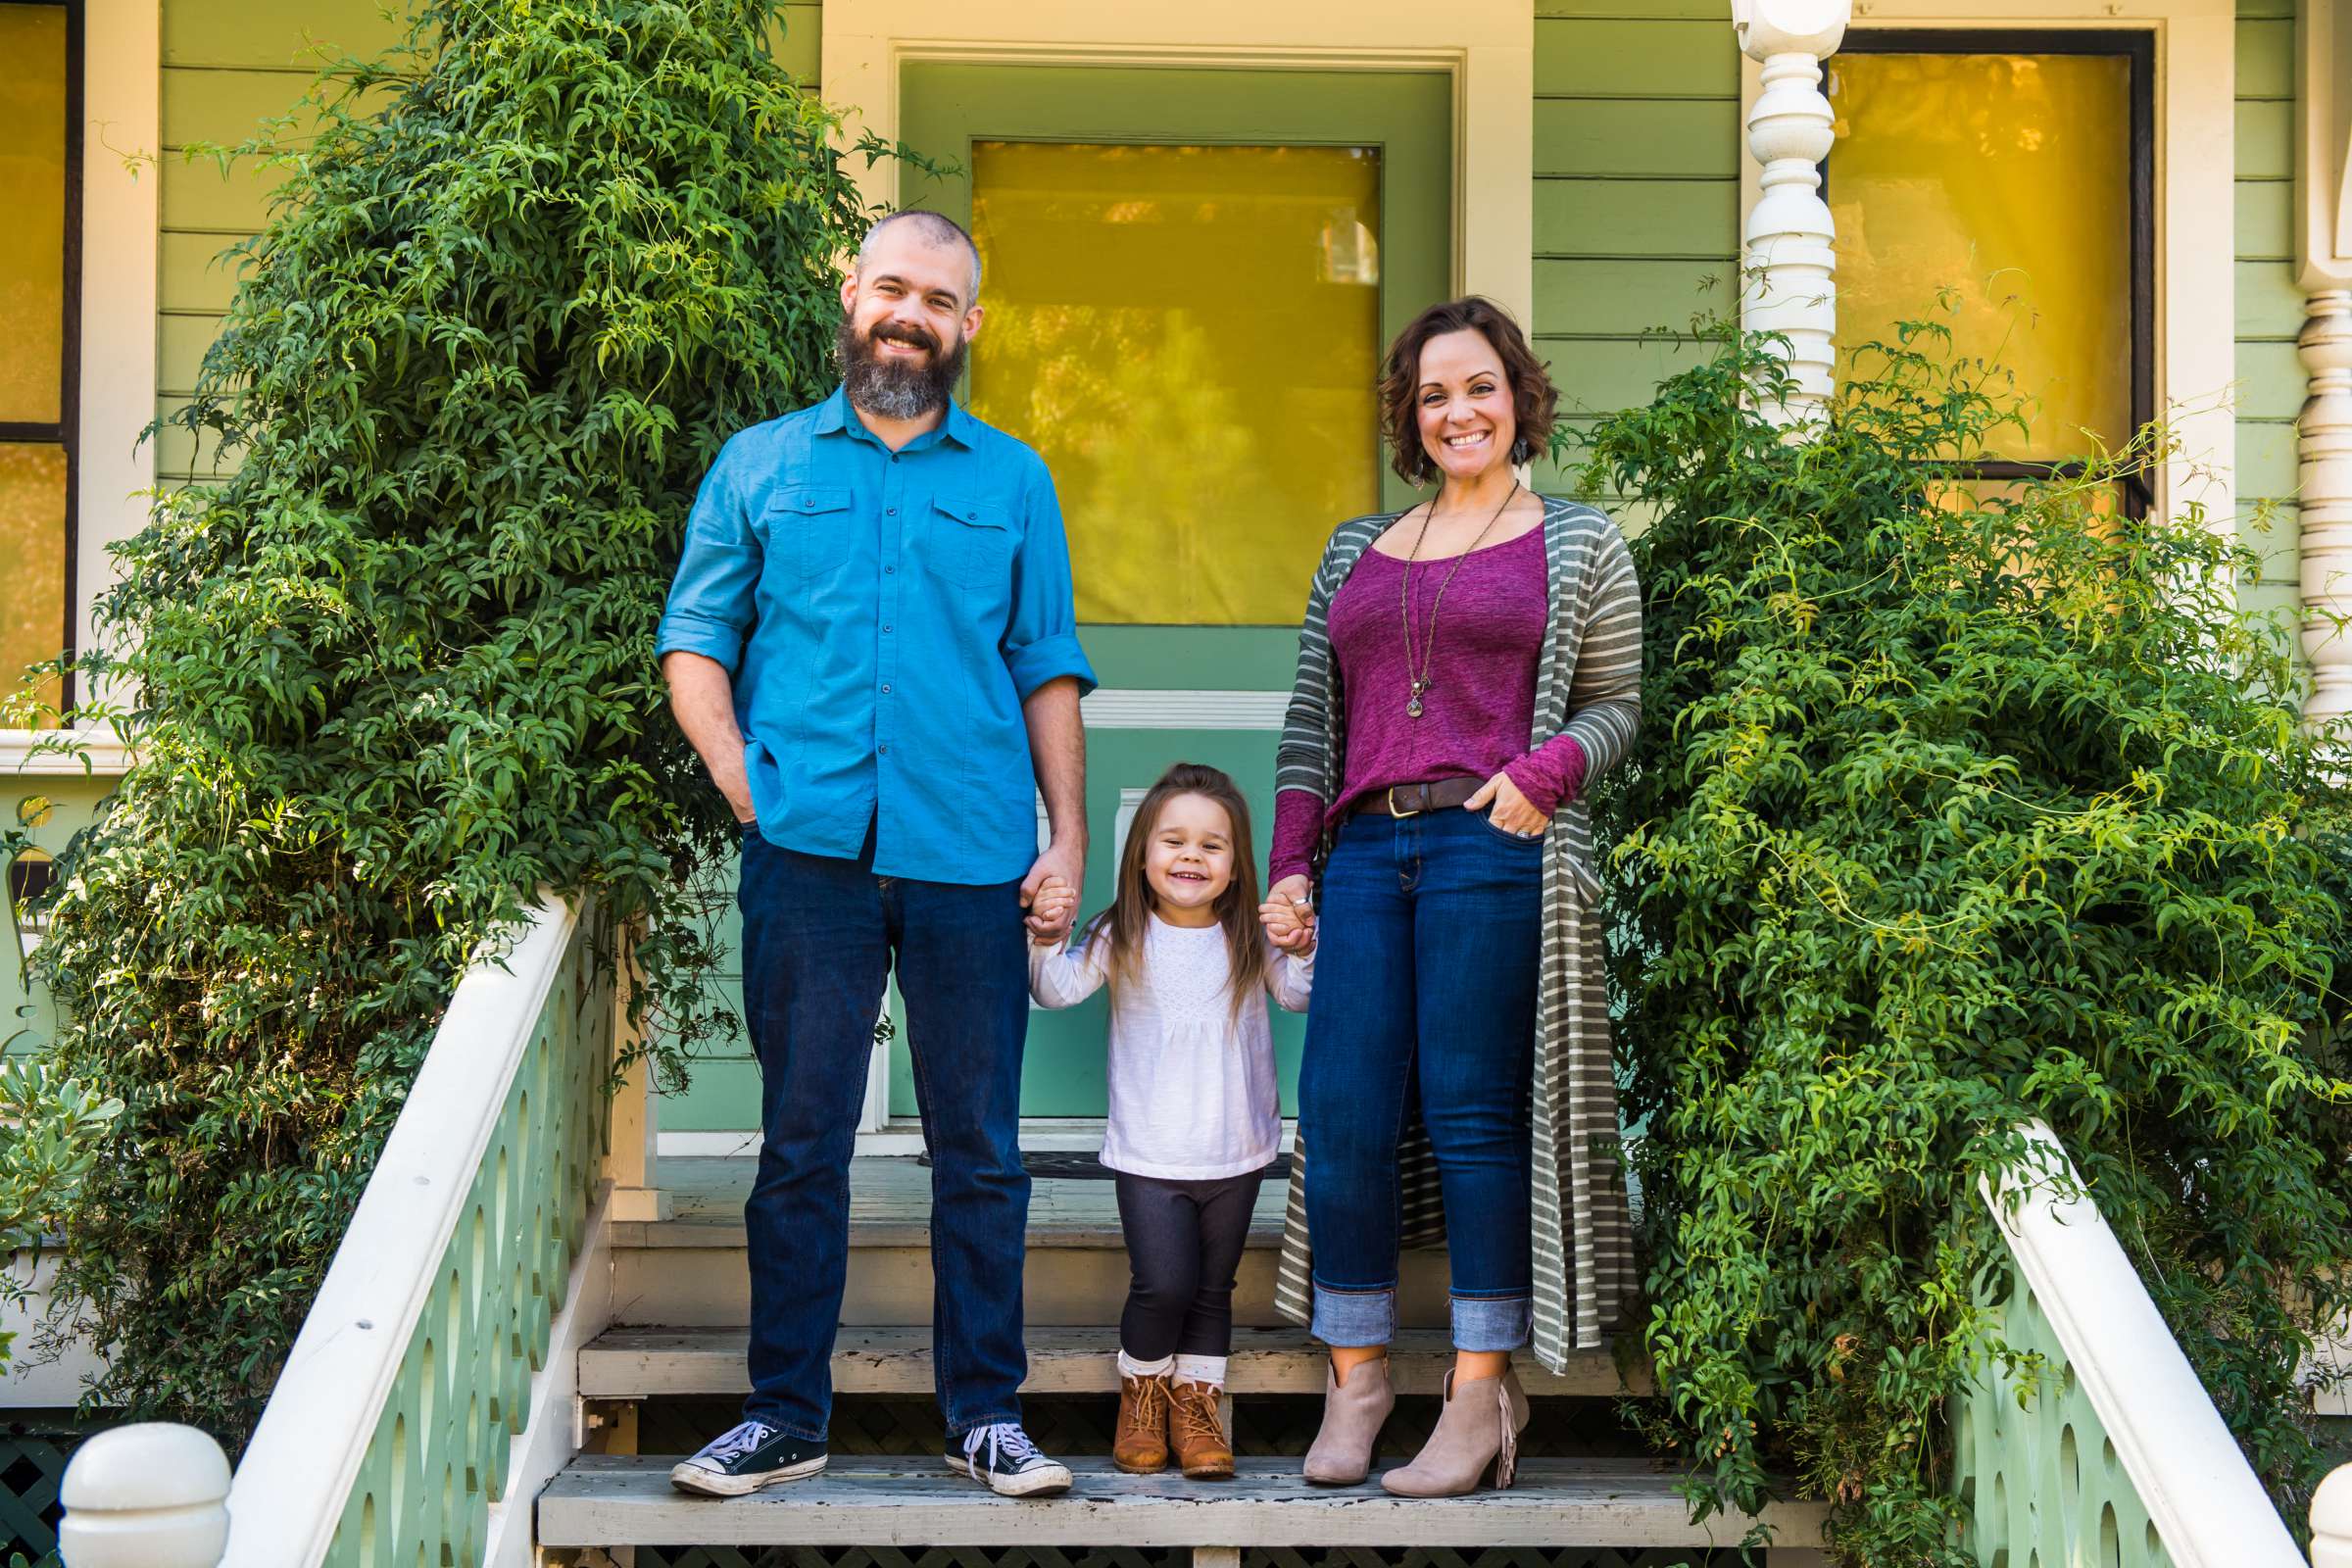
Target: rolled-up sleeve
pixel 714 599
pixel 1041 642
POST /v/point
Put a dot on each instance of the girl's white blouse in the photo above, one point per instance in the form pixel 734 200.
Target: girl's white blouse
pixel 1192 1077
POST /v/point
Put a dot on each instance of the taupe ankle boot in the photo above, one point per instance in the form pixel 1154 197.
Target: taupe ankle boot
pixel 1479 1426
pixel 1353 1415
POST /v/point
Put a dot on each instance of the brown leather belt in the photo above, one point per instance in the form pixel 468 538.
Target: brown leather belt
pixel 1412 800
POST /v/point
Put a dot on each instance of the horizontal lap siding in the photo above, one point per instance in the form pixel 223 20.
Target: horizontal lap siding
pixel 2269 305
pixel 1636 198
pixel 227 66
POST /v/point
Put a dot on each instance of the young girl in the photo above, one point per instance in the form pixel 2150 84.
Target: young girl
pixel 1194 1122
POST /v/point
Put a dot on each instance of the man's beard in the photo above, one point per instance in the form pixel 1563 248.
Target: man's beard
pixel 896 389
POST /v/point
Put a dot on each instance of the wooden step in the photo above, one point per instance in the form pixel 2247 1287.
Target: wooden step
pixel 689 1270
pixel 611 1501
pixel 639 1363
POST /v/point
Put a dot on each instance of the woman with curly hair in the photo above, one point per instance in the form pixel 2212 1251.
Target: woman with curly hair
pixel 1466 669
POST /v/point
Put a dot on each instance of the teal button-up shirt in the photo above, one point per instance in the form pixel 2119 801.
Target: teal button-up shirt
pixel 884 616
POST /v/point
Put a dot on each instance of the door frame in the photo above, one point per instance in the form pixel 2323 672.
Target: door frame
pixel 1487 47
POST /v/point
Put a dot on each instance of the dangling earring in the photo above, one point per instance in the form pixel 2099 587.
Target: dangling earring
pixel 1523 451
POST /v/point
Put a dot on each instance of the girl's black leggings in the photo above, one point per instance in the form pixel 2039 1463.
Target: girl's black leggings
pixel 1184 1249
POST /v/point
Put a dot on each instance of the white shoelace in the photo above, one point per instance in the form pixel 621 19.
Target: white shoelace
pixel 1005 1440
pixel 742 1439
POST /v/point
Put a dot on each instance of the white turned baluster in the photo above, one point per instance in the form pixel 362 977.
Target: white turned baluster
pixel 2331 1521
pixel 1789 268
pixel 2325 491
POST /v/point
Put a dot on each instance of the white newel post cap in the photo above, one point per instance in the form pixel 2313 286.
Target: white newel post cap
pixel 1768 28
pixel 2331 1521
pixel 153 1495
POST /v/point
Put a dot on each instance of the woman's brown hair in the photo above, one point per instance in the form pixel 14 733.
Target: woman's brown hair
pixel 1129 916
pixel 1534 398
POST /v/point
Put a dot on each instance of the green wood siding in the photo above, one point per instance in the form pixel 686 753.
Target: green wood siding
pixel 1637 194
pixel 2269 306
pixel 228 66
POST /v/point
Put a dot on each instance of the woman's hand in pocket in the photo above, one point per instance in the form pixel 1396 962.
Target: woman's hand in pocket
pixel 1510 810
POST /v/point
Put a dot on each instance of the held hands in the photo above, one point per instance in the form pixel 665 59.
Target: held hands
pixel 1512 811
pixel 1051 911
pixel 1061 862
pixel 1289 915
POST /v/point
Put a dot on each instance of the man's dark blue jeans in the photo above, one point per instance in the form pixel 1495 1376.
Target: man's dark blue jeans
pixel 819 939
pixel 1429 934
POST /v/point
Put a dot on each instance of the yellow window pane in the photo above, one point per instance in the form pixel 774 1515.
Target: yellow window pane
pixel 2007 178
pixel 32 560
pixel 1190 336
pixel 32 192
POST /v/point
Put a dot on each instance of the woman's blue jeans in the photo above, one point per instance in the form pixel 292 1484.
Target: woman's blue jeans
pixel 1430 938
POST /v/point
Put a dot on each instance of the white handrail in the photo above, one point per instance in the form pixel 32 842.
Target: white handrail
pixel 289 1492
pixel 2201 1494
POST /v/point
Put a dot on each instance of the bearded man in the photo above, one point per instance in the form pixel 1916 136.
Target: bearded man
pixel 872 643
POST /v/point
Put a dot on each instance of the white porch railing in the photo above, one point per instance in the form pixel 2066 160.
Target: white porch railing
pixel 428 1396
pixel 2110 1450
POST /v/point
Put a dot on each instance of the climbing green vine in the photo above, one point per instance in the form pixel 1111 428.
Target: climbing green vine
pixel 1957 803
pixel 392 671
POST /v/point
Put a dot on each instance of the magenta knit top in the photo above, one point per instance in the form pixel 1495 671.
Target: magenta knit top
pixel 1481 694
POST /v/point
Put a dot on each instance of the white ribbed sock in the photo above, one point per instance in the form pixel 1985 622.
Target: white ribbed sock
pixel 1130 1367
pixel 1209 1369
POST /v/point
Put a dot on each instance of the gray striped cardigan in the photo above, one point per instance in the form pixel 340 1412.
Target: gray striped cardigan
pixel 1589 684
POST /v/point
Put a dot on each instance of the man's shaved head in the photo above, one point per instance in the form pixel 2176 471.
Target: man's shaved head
pixel 933 228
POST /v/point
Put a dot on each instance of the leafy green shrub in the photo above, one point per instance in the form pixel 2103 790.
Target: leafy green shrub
pixel 51 1131
pixel 396 671
pixel 1956 805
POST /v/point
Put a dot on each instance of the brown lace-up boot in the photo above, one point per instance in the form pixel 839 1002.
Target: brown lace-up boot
pixel 1141 1444
pixel 1203 1450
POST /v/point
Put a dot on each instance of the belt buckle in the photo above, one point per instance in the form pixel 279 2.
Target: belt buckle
pixel 1396 813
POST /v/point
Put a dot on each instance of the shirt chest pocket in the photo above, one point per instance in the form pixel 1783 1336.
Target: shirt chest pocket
pixel 809 530
pixel 970 543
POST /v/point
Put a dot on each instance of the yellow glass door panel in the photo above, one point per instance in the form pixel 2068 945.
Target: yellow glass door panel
pixel 32 559
pixel 33 193
pixel 1190 336
pixel 2007 178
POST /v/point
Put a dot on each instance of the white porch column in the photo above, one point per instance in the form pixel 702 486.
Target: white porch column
pixel 1789 283
pixel 2324 472
pixel 2324 262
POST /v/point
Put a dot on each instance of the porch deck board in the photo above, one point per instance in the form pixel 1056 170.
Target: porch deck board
pixel 890 1205
pixel 610 1501
pixel 655 1362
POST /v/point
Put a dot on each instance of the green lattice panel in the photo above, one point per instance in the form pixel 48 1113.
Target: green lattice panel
pixel 1485 1557
pixel 30 1469
pixel 1130 1557
pixel 2038 1480
pixel 438 1457
pixel 896 1557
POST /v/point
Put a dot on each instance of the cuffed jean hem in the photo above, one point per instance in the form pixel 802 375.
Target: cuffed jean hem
pixel 1353 1318
pixel 1489 1322
pixel 776 1423
pixel 958 1431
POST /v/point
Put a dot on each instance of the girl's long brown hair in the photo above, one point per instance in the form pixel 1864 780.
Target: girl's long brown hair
pixel 1129 916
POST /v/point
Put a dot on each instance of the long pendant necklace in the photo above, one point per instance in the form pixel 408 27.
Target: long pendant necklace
pixel 1428 642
